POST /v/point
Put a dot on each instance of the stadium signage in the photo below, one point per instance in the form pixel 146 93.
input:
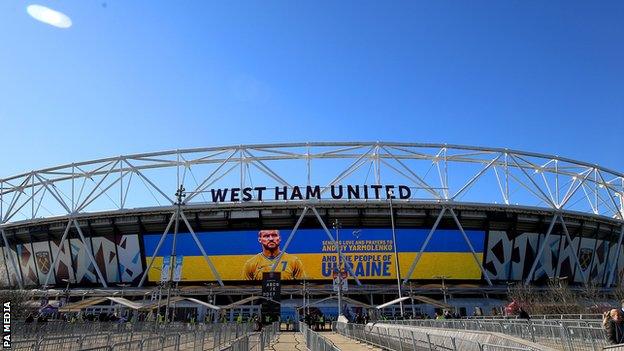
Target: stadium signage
pixel 334 192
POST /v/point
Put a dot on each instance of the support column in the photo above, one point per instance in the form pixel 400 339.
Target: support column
pixel 424 246
pixel 578 263
pixel 201 248
pixel 160 242
pixel 331 237
pixel 617 257
pixel 18 276
pixel 290 237
pixel 474 254
pixel 58 252
pixel 84 242
pixel 541 250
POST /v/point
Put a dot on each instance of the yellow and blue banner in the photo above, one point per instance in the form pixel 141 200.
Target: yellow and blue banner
pixel 369 253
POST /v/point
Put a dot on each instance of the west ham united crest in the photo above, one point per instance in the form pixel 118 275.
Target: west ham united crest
pixel 43 261
pixel 585 258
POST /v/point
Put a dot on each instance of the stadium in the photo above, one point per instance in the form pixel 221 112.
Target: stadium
pixel 443 222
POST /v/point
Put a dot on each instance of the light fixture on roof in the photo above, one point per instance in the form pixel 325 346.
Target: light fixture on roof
pixel 49 16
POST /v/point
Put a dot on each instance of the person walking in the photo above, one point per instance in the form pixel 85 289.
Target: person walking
pixel 613 324
pixel 522 314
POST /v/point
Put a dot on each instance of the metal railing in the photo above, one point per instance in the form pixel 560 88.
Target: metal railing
pixel 240 344
pixel 268 334
pixel 315 341
pixel 203 337
pixel 545 316
pixel 493 323
pixel 565 334
pixel 256 341
pixel 401 339
pixel 31 330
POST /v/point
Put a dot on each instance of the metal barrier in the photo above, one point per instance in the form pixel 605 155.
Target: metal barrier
pixel 565 335
pixel 239 344
pixel 315 341
pixel 544 316
pixel 268 334
pixel 495 324
pixel 101 348
pixel 254 341
pixel 126 346
pixel 401 339
pixel 32 330
pixel 24 345
pixel 152 343
pixel 197 338
pixel 59 343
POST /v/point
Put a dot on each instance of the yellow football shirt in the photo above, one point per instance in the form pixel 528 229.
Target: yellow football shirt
pixel 290 266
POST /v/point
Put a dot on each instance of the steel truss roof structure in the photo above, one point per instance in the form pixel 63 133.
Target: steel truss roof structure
pixel 441 174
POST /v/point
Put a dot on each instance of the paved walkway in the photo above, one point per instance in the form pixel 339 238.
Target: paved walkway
pixel 347 344
pixel 287 341
pixel 290 341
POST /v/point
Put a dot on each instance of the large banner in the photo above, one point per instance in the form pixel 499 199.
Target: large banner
pixel 245 255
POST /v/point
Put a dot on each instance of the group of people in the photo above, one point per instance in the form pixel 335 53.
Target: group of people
pixel 41 318
pixel 318 321
pixel 613 324
pixel 446 314
pixel 361 318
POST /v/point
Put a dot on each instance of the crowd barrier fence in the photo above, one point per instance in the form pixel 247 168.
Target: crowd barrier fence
pixel 208 337
pixel 403 339
pixel 315 341
pixel 563 335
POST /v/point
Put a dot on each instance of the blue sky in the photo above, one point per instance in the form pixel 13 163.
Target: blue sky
pixel 138 76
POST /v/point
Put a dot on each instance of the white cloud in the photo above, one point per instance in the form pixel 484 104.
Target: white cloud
pixel 49 16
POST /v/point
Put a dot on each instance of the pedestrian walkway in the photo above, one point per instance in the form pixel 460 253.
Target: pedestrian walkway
pixel 294 341
pixel 346 344
pixel 287 341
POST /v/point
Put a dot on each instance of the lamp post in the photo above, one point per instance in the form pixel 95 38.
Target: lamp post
pixel 303 298
pixel 396 252
pixel 337 226
pixel 443 277
pixel 212 299
pixel 160 286
pixel 412 301
pixel 44 299
pixel 66 290
pixel 180 196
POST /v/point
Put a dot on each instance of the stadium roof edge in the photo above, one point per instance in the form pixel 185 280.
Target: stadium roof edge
pixel 321 144
pixel 295 205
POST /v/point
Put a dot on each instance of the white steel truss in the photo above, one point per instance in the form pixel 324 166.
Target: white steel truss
pixel 460 173
pixel 440 173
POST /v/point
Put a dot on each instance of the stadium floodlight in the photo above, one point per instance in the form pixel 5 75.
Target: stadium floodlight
pixel 49 16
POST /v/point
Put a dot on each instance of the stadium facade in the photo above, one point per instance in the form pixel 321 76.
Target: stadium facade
pixel 476 218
